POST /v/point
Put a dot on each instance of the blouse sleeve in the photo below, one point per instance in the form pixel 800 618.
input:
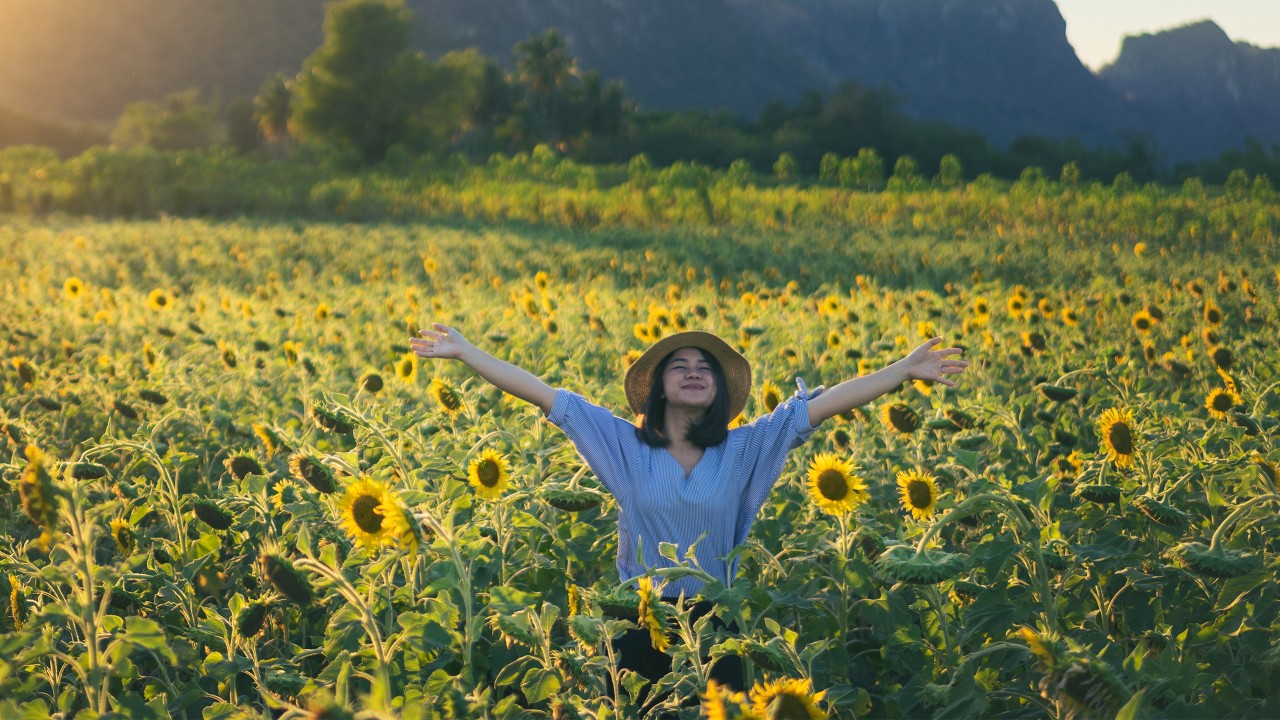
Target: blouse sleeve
pixel 607 442
pixel 769 438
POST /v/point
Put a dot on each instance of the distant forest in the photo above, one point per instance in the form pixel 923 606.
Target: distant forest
pixel 366 96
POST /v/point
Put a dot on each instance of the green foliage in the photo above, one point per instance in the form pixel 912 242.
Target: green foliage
pixel 950 171
pixel 362 88
pixel 179 122
pixel 786 168
pixel 243 130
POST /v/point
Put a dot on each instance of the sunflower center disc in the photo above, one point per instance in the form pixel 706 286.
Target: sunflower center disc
pixel 832 485
pixel 788 707
pixel 364 510
pixel 488 473
pixel 919 494
pixel 1121 438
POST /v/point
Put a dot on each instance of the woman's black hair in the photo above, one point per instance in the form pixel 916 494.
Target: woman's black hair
pixel 711 430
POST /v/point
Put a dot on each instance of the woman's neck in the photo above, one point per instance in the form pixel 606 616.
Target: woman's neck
pixel 677 423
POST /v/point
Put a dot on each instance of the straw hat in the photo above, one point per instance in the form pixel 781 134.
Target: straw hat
pixel 737 371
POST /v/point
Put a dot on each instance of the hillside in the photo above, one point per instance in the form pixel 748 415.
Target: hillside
pixel 1001 67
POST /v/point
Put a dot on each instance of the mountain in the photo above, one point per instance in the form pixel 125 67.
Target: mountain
pixel 1001 67
pixel 1199 92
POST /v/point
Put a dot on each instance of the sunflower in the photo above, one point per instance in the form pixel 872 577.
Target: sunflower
pixel 787 698
pixel 407 369
pixel 1221 356
pixel 1067 467
pixel 371 382
pixel 365 507
pixel 399 525
pixel 919 492
pixel 290 349
pixel 648 617
pixel 1142 321
pixel 1069 317
pixel 159 300
pixel 1034 343
pixel 1220 401
pixel 488 474
pixel 1212 313
pixel 833 485
pixel 1017 305
pixel 981 309
pixel 840 438
pixel 900 417
pixel 770 396
pixel 73 288
pixel 445 396
pixel 1116 430
pixel 122 533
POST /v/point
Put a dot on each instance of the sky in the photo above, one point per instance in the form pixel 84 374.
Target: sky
pixel 1095 28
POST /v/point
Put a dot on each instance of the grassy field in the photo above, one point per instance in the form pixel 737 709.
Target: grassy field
pixel 196 411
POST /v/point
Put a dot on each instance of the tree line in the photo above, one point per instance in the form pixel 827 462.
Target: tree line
pixel 365 96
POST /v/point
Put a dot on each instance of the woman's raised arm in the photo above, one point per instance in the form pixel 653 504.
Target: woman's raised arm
pixel 923 363
pixel 446 343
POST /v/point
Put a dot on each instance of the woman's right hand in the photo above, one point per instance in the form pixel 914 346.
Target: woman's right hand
pixel 442 342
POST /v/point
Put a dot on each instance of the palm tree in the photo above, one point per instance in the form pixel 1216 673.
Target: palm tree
pixel 545 66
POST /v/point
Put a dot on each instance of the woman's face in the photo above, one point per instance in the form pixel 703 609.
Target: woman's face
pixel 688 381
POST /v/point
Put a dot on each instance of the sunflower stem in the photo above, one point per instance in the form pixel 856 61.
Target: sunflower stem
pixel 1220 532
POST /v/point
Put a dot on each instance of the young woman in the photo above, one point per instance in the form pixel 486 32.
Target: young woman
pixel 682 474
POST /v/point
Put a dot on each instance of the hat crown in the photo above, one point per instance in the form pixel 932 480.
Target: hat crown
pixel 734 367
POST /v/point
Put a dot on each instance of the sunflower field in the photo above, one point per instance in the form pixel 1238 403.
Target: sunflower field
pixel 231 491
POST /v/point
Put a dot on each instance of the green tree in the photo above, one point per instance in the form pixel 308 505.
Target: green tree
pixel 545 66
pixel 273 106
pixel 363 88
pixel 950 171
pixel 242 130
pixel 786 167
pixel 180 122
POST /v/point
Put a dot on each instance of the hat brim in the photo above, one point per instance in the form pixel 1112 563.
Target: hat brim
pixel 737 371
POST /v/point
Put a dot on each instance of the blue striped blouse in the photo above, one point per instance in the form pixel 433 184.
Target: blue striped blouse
pixel 658 503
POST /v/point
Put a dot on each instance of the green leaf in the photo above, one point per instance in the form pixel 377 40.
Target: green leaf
pixel 1130 709
pixel 147 634
pixel 509 674
pixel 508 600
pixel 633 682
pixel 540 684
pixel 303 542
pixel 669 551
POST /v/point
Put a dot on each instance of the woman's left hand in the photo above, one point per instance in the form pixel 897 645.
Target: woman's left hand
pixel 925 363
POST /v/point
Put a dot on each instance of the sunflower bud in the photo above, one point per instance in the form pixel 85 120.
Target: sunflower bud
pixel 930 567
pixel 125 409
pixel 241 466
pixel 37 491
pixel 49 403
pixel 153 397
pixel 333 420
pixel 571 500
pixel 310 470
pixel 1100 493
pixel 213 515
pixel 1212 562
pixel 87 471
pixel 1056 393
pixel 251 618
pixel 1161 513
pixel 287 579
